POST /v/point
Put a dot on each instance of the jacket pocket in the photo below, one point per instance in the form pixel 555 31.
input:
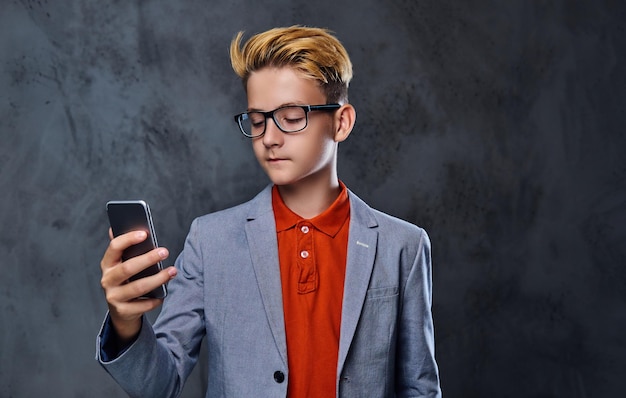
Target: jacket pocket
pixel 381 292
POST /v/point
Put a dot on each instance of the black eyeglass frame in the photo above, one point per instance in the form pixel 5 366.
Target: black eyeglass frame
pixel 270 114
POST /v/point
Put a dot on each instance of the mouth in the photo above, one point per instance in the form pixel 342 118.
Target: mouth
pixel 275 160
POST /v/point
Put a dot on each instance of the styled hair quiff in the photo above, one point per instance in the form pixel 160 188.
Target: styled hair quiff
pixel 314 52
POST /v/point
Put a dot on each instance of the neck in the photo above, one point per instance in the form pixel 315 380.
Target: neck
pixel 312 198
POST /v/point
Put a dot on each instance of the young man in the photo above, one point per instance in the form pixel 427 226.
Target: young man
pixel 304 291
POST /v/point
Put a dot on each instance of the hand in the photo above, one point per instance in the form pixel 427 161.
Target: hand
pixel 125 309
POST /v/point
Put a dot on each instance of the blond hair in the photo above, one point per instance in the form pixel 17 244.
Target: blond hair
pixel 314 52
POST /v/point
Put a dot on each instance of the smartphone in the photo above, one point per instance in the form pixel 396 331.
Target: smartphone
pixel 134 215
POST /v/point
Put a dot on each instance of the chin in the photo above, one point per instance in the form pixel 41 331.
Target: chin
pixel 282 181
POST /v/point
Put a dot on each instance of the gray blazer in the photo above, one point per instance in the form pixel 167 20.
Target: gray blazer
pixel 229 289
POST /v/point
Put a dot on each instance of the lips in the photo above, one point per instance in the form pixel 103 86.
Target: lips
pixel 275 162
pixel 273 159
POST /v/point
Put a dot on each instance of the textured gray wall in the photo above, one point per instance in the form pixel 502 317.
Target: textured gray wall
pixel 498 126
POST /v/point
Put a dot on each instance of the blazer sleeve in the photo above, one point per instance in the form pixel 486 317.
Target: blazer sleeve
pixel 416 370
pixel 160 360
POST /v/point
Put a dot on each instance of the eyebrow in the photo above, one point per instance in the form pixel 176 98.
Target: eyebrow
pixel 281 106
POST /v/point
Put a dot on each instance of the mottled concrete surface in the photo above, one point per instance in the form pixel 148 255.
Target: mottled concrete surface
pixel 498 126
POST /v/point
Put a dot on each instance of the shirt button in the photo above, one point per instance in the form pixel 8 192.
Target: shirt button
pixel 304 229
pixel 304 254
pixel 279 376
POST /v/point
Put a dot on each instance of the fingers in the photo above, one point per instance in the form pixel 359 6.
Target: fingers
pixel 124 270
pixel 130 291
pixel 113 254
pixel 117 272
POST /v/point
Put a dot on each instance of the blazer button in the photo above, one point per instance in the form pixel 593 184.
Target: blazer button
pixel 279 376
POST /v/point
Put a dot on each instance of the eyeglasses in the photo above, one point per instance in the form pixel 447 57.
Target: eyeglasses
pixel 289 119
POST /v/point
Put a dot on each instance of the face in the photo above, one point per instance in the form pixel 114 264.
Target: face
pixel 295 158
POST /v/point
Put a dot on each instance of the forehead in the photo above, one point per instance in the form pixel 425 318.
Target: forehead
pixel 269 88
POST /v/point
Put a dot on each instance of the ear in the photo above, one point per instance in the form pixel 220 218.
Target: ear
pixel 345 117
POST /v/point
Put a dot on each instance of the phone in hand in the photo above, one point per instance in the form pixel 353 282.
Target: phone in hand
pixel 134 215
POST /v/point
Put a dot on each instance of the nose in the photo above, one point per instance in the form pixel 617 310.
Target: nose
pixel 273 136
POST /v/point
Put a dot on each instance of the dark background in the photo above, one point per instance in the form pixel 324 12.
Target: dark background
pixel 496 125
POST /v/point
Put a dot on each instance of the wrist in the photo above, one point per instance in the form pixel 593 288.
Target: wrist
pixel 126 330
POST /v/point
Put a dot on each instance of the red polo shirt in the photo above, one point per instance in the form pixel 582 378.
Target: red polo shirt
pixel 312 255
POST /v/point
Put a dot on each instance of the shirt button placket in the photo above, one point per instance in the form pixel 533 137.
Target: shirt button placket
pixel 308 274
pixel 306 242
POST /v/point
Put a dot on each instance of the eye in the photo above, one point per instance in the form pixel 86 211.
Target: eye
pixel 292 117
pixel 256 119
pixel 293 120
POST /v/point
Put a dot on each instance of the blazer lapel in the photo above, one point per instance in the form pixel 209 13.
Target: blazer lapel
pixel 261 235
pixel 362 241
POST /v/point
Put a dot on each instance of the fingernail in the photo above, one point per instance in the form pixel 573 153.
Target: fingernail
pixel 172 272
pixel 141 234
pixel 162 253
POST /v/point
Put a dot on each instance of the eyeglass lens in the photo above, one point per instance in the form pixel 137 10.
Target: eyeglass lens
pixel 289 119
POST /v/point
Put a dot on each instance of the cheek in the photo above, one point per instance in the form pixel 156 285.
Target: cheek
pixel 257 148
pixel 321 150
